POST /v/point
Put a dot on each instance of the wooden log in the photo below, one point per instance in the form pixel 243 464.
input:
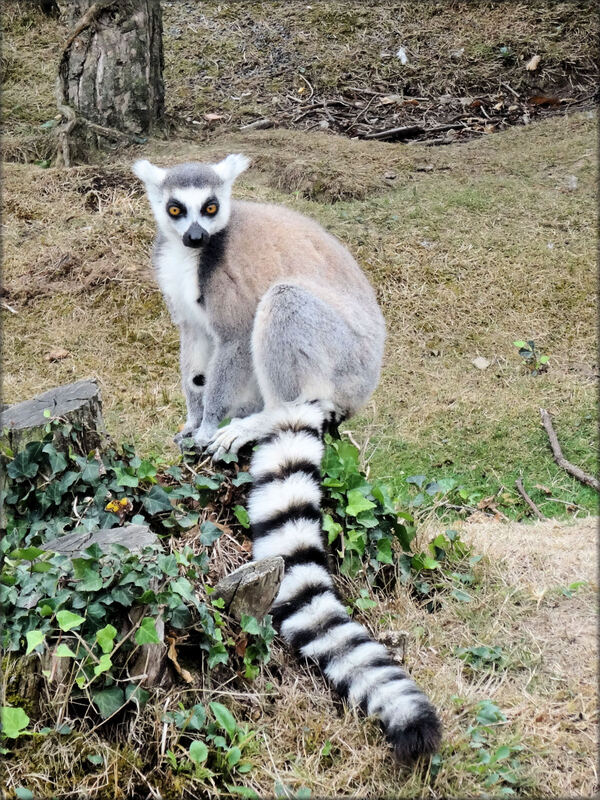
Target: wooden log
pixel 251 588
pixel 134 537
pixel 78 402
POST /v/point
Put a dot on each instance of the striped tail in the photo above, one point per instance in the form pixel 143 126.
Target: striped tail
pixel 285 516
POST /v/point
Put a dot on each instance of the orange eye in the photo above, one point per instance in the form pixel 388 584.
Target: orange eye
pixel 211 209
pixel 174 211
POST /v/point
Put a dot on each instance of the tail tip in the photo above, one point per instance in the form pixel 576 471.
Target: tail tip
pixel 421 737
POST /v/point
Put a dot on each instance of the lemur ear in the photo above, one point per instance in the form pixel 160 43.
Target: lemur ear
pixel 231 167
pixel 151 176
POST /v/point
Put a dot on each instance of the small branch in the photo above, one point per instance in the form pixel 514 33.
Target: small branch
pixel 404 132
pixel 562 462
pixel 528 500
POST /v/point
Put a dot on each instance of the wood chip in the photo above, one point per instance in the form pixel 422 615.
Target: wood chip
pixel 57 355
pixel 480 362
pixel 533 64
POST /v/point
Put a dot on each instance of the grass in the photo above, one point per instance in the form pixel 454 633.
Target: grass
pixel 458 247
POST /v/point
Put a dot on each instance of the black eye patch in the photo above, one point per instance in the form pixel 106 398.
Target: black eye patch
pixel 211 207
pixel 176 209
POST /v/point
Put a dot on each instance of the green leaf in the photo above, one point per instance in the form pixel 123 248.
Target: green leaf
pixel 67 620
pixel 27 553
pixel 22 793
pixel 146 633
pixel 157 501
pixel 22 466
pixel 108 701
pixel 14 721
pixel 64 651
pixel 103 665
pixel 205 482
pixel 125 478
pixel 233 756
pixel 333 529
pixel 249 624
pixel 209 533
pixel 96 759
pixel 198 751
pixel 224 718
pixel 105 638
pixel 242 516
pixel 134 691
pixel 58 461
pixel 357 502
pixel 242 791
pixel 521 345
pixel 384 551
pixel 241 478
pixel 146 470
pixel 463 597
pixel 34 638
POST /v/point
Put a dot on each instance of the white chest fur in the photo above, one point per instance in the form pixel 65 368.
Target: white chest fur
pixel 177 272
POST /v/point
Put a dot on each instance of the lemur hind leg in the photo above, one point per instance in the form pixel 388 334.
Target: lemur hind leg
pixel 302 351
pixel 194 355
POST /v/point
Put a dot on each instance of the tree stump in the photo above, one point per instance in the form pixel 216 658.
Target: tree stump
pixel 110 83
pixel 78 402
pixel 251 588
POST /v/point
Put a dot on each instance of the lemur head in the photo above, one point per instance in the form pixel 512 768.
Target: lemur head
pixel 191 202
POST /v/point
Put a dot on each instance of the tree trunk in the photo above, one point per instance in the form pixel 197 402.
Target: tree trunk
pixel 110 84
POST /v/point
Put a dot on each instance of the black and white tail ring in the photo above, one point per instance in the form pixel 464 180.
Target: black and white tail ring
pixel 285 516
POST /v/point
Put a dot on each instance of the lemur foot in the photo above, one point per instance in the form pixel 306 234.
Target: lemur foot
pixel 184 439
pixel 239 432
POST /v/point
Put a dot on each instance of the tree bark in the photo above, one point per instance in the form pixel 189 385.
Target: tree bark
pixel 110 84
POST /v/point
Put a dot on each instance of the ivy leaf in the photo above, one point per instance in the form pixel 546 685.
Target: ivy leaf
pixel 205 482
pixel 106 637
pixel 125 478
pixel 64 651
pixel 58 462
pixel 157 501
pixel 384 551
pixel 67 620
pixel 333 529
pixel 224 718
pixel 135 692
pixel 108 701
pixel 458 594
pixel 209 532
pixel 243 477
pixel 357 502
pixel 34 638
pixel 22 466
pixel 14 721
pixel 249 624
pixel 146 633
pixel 103 665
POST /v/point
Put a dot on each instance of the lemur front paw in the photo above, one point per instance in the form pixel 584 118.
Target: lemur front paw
pixel 236 434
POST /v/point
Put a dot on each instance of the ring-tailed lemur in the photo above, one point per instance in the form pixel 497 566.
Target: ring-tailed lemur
pixel 280 330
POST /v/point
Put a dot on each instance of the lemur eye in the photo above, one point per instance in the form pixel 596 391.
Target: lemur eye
pixel 174 211
pixel 211 209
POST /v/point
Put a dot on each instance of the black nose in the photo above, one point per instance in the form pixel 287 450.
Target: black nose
pixel 195 236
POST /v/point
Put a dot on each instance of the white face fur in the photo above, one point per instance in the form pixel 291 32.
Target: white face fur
pixel 178 208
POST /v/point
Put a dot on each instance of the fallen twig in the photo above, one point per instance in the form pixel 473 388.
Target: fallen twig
pixel 405 132
pixel 562 462
pixel 528 500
